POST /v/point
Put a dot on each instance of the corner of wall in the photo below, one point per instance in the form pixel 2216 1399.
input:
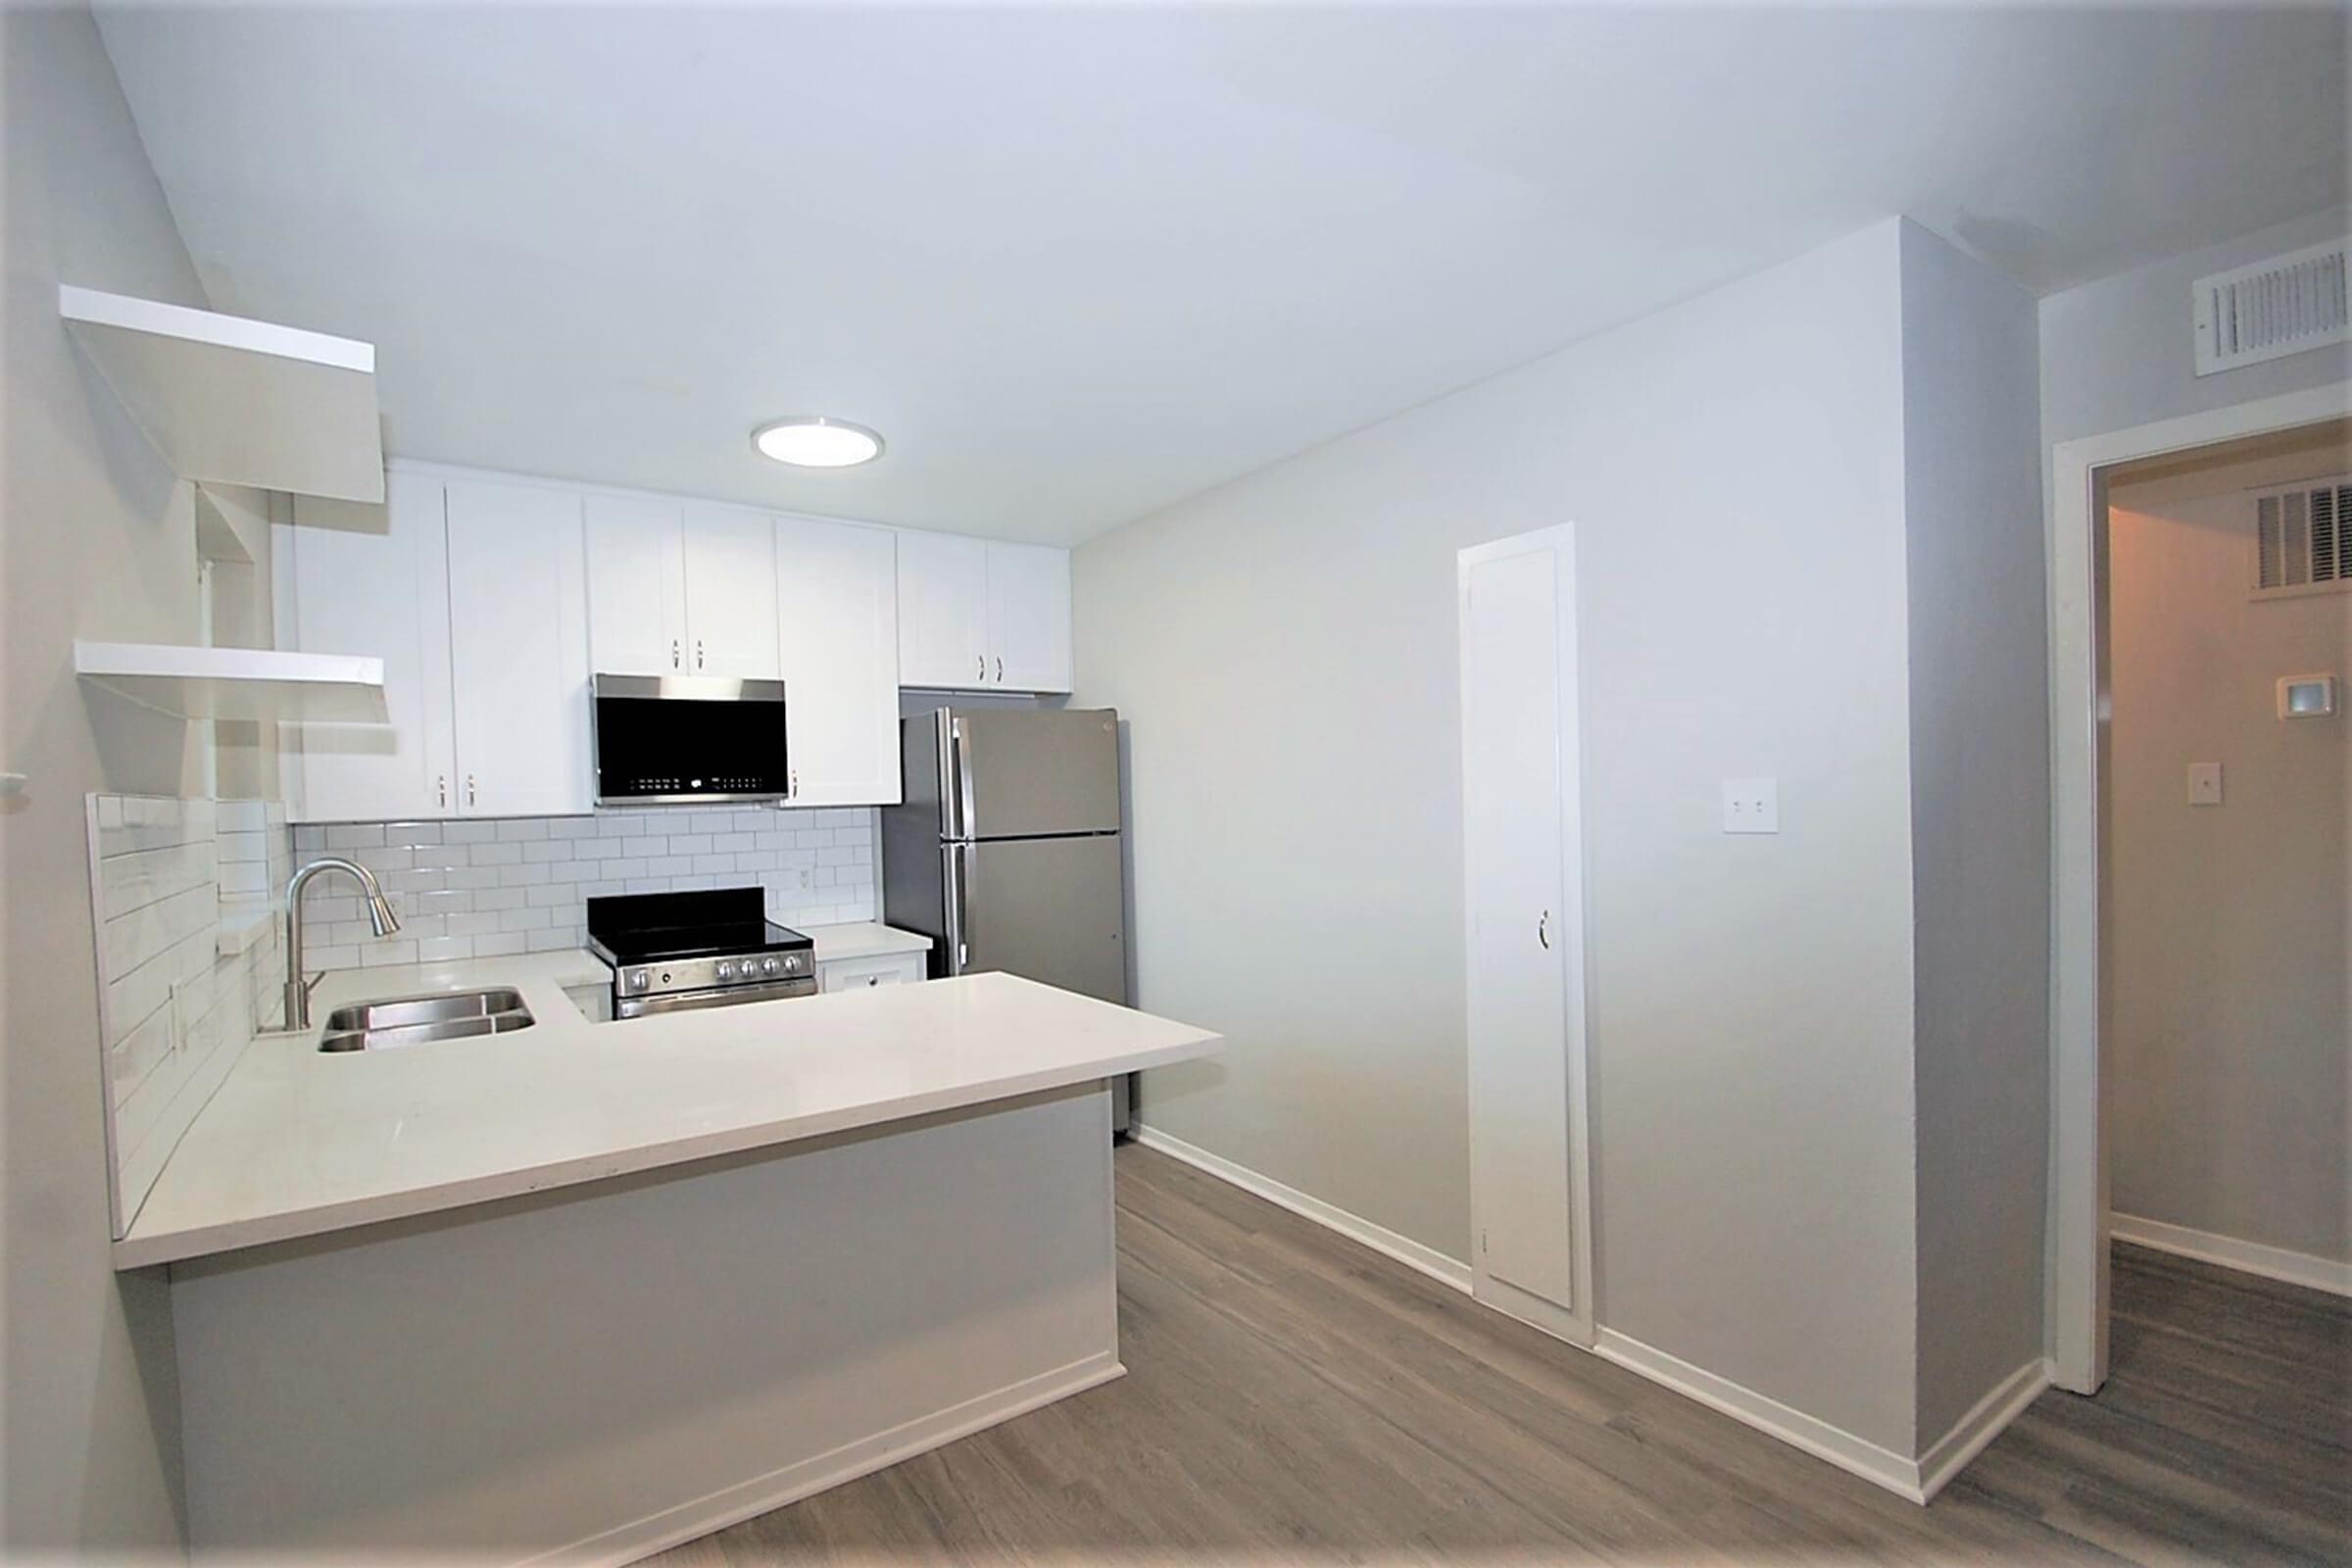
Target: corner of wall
pixel 1979 768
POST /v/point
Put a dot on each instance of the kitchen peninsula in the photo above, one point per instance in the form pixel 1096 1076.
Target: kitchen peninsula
pixel 589 1288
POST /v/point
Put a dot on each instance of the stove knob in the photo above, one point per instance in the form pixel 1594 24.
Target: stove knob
pixel 726 970
pixel 639 979
pixel 772 966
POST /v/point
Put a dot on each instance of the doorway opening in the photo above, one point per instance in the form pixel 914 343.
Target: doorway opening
pixel 2203 891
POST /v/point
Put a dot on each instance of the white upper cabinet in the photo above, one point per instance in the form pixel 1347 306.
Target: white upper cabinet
pixel 680 588
pixel 976 616
pixel 636 586
pixel 943 610
pixel 1029 617
pixel 518 651
pixel 836 597
pixel 373 580
pixel 730 592
pixel 475 595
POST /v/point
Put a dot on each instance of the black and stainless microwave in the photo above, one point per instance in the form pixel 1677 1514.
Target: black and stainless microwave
pixel 688 738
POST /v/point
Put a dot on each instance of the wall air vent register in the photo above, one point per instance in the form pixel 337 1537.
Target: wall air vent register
pixel 2301 537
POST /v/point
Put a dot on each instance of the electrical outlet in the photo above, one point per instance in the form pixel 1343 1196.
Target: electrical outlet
pixel 1751 806
pixel 2204 783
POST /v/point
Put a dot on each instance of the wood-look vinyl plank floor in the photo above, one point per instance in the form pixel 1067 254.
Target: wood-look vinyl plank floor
pixel 1292 1396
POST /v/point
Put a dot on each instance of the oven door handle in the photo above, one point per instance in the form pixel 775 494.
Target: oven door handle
pixel 727 995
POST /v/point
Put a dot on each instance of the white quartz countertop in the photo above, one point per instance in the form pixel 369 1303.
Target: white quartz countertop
pixel 299 1143
pixel 862 939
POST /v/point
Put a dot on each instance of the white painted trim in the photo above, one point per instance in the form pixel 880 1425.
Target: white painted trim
pixel 1915 1479
pixel 1574 1321
pixel 1447 1271
pixel 745 1499
pixel 2003 1403
pixel 1818 1437
pixel 2247 1257
pixel 2077 1306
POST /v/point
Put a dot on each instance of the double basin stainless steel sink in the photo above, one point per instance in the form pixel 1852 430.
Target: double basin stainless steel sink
pixel 415 1020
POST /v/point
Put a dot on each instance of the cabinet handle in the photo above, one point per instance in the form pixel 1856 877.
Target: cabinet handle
pixel 673 652
pixel 982 659
pixel 469 789
pixel 441 787
pixel 698 653
pixel 1000 667
pixel 1543 930
pixel 792 790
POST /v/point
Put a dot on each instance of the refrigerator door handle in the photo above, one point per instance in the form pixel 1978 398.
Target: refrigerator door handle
pixel 960 943
pixel 958 795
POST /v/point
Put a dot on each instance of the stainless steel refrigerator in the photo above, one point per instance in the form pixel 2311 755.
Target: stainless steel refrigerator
pixel 1006 852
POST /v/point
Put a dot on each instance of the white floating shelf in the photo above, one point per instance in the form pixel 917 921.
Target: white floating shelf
pixel 237 682
pixel 238 402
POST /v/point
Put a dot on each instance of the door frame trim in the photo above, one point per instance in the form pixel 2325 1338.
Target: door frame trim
pixel 1579 1323
pixel 2076 1257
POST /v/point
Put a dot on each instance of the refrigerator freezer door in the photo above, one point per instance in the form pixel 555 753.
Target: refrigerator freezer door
pixel 1012 774
pixel 1048 910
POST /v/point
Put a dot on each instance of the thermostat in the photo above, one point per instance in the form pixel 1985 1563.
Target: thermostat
pixel 2307 696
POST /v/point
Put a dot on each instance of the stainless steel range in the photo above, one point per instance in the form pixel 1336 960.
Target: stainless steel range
pixel 673 951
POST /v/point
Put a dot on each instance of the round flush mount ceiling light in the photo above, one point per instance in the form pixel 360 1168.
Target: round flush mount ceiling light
pixel 815 441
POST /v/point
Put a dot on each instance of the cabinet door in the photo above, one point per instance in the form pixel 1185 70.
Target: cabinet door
pixel 730 592
pixel 943 611
pixel 837 611
pixel 636 586
pixel 518 650
pixel 1029 617
pixel 375 580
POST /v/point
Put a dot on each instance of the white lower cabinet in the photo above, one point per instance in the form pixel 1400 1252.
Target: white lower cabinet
pixel 858 974
pixel 475 595
pixel 837 608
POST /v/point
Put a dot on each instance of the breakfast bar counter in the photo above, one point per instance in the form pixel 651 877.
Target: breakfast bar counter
pixel 589 1288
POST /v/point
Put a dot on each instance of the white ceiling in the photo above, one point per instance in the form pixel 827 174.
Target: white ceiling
pixel 1076 264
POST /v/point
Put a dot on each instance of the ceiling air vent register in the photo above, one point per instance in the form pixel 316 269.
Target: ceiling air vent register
pixel 2300 539
pixel 2283 306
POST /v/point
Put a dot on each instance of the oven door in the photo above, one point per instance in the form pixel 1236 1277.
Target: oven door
pixel 714 997
pixel 689 738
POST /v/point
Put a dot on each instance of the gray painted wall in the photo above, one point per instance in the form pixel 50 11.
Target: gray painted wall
pixel 1284 649
pixel 100 543
pixel 2118 353
pixel 2230 1060
pixel 1979 809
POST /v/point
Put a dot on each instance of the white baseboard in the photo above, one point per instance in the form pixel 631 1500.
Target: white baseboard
pixel 690 1521
pixel 1405 1249
pixel 1818 1437
pixel 2249 1258
pixel 1915 1479
pixel 1951 1453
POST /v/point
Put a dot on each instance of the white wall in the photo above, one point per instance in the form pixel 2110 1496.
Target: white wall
pixel 2230 1059
pixel 2117 353
pixel 99 542
pixel 1284 650
pixel 1980 793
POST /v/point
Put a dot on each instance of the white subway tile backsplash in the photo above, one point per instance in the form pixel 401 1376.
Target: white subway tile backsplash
pixel 173 1011
pixel 503 883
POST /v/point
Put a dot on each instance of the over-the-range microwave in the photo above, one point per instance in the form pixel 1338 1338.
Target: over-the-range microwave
pixel 688 738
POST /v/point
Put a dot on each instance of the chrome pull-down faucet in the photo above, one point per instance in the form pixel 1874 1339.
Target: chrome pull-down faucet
pixel 381 919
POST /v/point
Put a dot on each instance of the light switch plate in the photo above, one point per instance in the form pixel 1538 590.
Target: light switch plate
pixel 1751 806
pixel 2204 783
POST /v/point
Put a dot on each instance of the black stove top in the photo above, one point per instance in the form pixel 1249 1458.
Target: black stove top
pixel 719 922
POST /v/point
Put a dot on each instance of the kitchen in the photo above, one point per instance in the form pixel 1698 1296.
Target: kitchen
pixel 842 782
